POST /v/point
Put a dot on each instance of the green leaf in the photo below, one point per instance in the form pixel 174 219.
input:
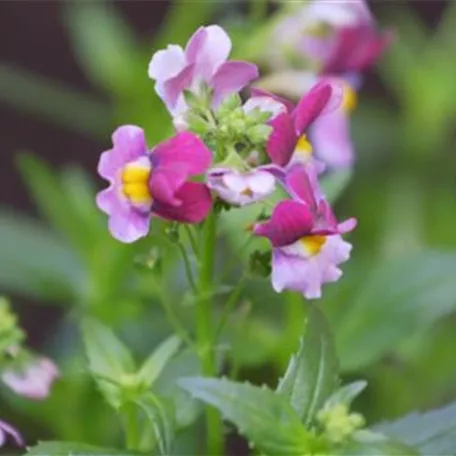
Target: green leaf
pixel 159 413
pixel 264 417
pixel 73 449
pixel 366 443
pixel 35 262
pixel 187 409
pixel 433 432
pixel 346 394
pixel 157 361
pixel 398 299
pixel 108 357
pixel 312 374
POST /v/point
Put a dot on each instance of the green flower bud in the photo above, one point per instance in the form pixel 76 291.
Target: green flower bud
pixel 259 134
pixel 197 124
pixel 228 105
pixel 338 423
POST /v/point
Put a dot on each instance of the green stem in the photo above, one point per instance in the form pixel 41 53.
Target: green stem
pixel 204 326
pixel 131 427
pixel 191 238
pixel 188 268
pixel 295 315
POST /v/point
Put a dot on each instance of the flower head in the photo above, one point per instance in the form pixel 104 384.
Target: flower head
pixel 305 235
pixel 203 63
pixel 5 430
pixel 145 183
pixel 33 381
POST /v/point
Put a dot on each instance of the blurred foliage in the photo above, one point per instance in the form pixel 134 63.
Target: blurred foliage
pixel 394 311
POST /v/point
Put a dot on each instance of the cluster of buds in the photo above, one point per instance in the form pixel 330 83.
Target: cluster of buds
pixel 231 150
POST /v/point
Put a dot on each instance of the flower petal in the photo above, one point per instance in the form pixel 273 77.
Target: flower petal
pixel 264 104
pixel 282 140
pixel 174 87
pixel 256 92
pixel 166 63
pixel 185 150
pixel 289 222
pixel 195 45
pixel 5 428
pixel 232 77
pixel 165 181
pixel 311 105
pixel 303 185
pixel 195 204
pixel 128 144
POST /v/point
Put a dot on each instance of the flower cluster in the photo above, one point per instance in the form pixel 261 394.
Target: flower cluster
pixel 236 150
pixel 318 40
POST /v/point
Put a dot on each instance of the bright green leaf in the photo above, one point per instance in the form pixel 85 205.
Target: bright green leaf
pixel 346 394
pixel 108 357
pixel 312 374
pixel 433 432
pixel 264 417
pixel 396 299
pixel 157 361
pixel 73 449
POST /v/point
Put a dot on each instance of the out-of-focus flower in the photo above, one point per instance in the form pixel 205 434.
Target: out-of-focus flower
pixel 241 189
pixel 8 430
pixel 34 380
pixel 329 37
pixel 145 183
pixel 305 235
pixel 202 65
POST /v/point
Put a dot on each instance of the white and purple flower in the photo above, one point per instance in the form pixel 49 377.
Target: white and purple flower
pixel 144 183
pixel 203 61
pixel 8 430
pixel 305 236
pixel 33 381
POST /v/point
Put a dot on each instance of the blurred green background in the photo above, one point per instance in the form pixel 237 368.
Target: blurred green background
pixel 70 72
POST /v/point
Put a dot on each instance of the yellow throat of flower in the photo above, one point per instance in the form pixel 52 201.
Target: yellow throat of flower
pixel 350 99
pixel 313 244
pixel 303 147
pixel 135 179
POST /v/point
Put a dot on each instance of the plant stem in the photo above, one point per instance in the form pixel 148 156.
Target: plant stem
pixel 191 238
pixel 204 325
pixel 131 427
pixel 188 267
pixel 295 316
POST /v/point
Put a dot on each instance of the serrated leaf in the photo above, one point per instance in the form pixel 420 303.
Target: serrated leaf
pixel 264 417
pixel 398 298
pixel 159 413
pixel 35 262
pixel 366 443
pixel 346 394
pixel 433 432
pixel 73 449
pixel 108 357
pixel 312 374
pixel 157 361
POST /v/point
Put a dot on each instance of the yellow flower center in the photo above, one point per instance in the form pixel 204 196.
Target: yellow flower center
pixel 350 98
pixel 313 244
pixel 303 147
pixel 318 30
pixel 135 178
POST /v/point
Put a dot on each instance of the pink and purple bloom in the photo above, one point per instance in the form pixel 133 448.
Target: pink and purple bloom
pixel 305 236
pixel 33 381
pixel 8 430
pixel 146 183
pixel 203 62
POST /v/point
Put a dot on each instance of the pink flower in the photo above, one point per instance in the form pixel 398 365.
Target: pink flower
pixel 34 381
pixel 241 189
pixel 145 183
pixel 204 61
pixel 5 430
pixel 305 235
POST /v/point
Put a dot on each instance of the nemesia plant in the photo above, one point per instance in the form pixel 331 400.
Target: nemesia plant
pixel 237 147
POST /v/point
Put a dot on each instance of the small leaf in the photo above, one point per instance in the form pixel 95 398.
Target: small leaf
pixel 346 394
pixel 157 361
pixel 433 432
pixel 264 417
pixel 73 449
pixel 108 357
pixel 159 413
pixel 312 374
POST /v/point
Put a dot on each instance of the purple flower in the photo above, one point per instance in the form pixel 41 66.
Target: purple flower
pixel 204 61
pixel 241 189
pixel 145 183
pixel 34 381
pixel 5 430
pixel 305 236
